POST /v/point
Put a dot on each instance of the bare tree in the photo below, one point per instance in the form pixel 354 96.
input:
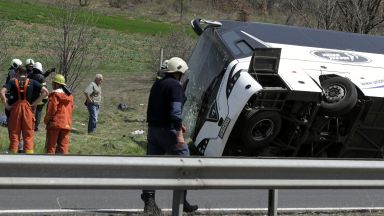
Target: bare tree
pixel 263 7
pixel 360 16
pixel 73 41
pixel 327 14
pixel 181 10
pixel 316 13
pixel 181 6
pixel 241 7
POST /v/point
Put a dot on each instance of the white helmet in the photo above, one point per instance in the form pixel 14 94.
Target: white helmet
pixel 29 62
pixel 38 66
pixel 15 63
pixel 176 64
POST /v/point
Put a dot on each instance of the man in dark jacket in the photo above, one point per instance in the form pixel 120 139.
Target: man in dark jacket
pixel 37 74
pixel 165 129
pixel 29 65
pixel 15 63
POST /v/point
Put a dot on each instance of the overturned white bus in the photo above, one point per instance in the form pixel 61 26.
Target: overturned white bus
pixel 258 89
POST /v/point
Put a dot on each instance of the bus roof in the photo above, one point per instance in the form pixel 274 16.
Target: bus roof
pixel 301 36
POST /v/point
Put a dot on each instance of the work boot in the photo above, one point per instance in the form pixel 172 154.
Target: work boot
pixel 150 207
pixel 188 207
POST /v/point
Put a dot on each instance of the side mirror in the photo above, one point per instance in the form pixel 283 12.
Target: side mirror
pixel 197 25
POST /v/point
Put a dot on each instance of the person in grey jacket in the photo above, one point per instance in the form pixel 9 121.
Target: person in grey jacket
pixel 93 99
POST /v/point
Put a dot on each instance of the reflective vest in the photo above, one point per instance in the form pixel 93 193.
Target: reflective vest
pixel 22 87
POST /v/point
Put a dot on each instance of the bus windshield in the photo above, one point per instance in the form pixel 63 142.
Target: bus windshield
pixel 208 60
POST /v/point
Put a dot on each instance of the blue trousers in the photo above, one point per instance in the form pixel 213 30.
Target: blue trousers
pixel 93 110
pixel 162 141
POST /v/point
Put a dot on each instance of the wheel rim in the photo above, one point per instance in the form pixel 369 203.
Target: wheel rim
pixel 335 93
pixel 262 129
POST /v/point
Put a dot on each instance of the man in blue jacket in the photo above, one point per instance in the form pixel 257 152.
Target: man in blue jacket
pixel 165 129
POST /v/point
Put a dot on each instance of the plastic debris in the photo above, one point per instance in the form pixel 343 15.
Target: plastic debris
pixel 137 132
pixel 124 107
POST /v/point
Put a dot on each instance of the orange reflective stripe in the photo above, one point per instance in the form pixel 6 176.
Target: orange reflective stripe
pixel 18 88
pixel 23 90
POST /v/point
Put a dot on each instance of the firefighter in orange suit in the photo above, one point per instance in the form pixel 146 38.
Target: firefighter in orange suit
pixel 24 95
pixel 59 117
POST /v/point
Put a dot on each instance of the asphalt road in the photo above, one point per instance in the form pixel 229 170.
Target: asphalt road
pixel 206 199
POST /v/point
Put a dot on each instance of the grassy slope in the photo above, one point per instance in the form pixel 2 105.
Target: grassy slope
pixel 123 59
pixel 39 13
pixel 124 41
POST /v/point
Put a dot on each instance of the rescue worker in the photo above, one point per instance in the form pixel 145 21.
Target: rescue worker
pixel 165 129
pixel 93 99
pixel 15 63
pixel 38 75
pixel 58 117
pixel 24 94
pixel 29 66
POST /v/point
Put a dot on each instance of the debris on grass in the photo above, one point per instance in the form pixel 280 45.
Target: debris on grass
pixel 124 107
pixel 137 132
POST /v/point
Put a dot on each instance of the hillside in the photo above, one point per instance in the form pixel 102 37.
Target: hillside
pixel 125 49
pixel 123 56
pixel 127 80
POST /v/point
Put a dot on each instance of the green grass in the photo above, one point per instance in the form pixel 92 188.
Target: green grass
pixel 38 13
pixel 114 129
pixel 132 26
pixel 122 50
pixel 124 60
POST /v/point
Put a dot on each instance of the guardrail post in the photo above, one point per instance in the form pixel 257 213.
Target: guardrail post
pixel 272 202
pixel 178 202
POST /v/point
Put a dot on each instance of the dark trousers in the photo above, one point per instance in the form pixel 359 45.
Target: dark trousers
pixel 38 112
pixel 162 141
pixel 7 112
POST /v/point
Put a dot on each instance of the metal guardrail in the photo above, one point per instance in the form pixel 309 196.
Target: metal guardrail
pixel 178 174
